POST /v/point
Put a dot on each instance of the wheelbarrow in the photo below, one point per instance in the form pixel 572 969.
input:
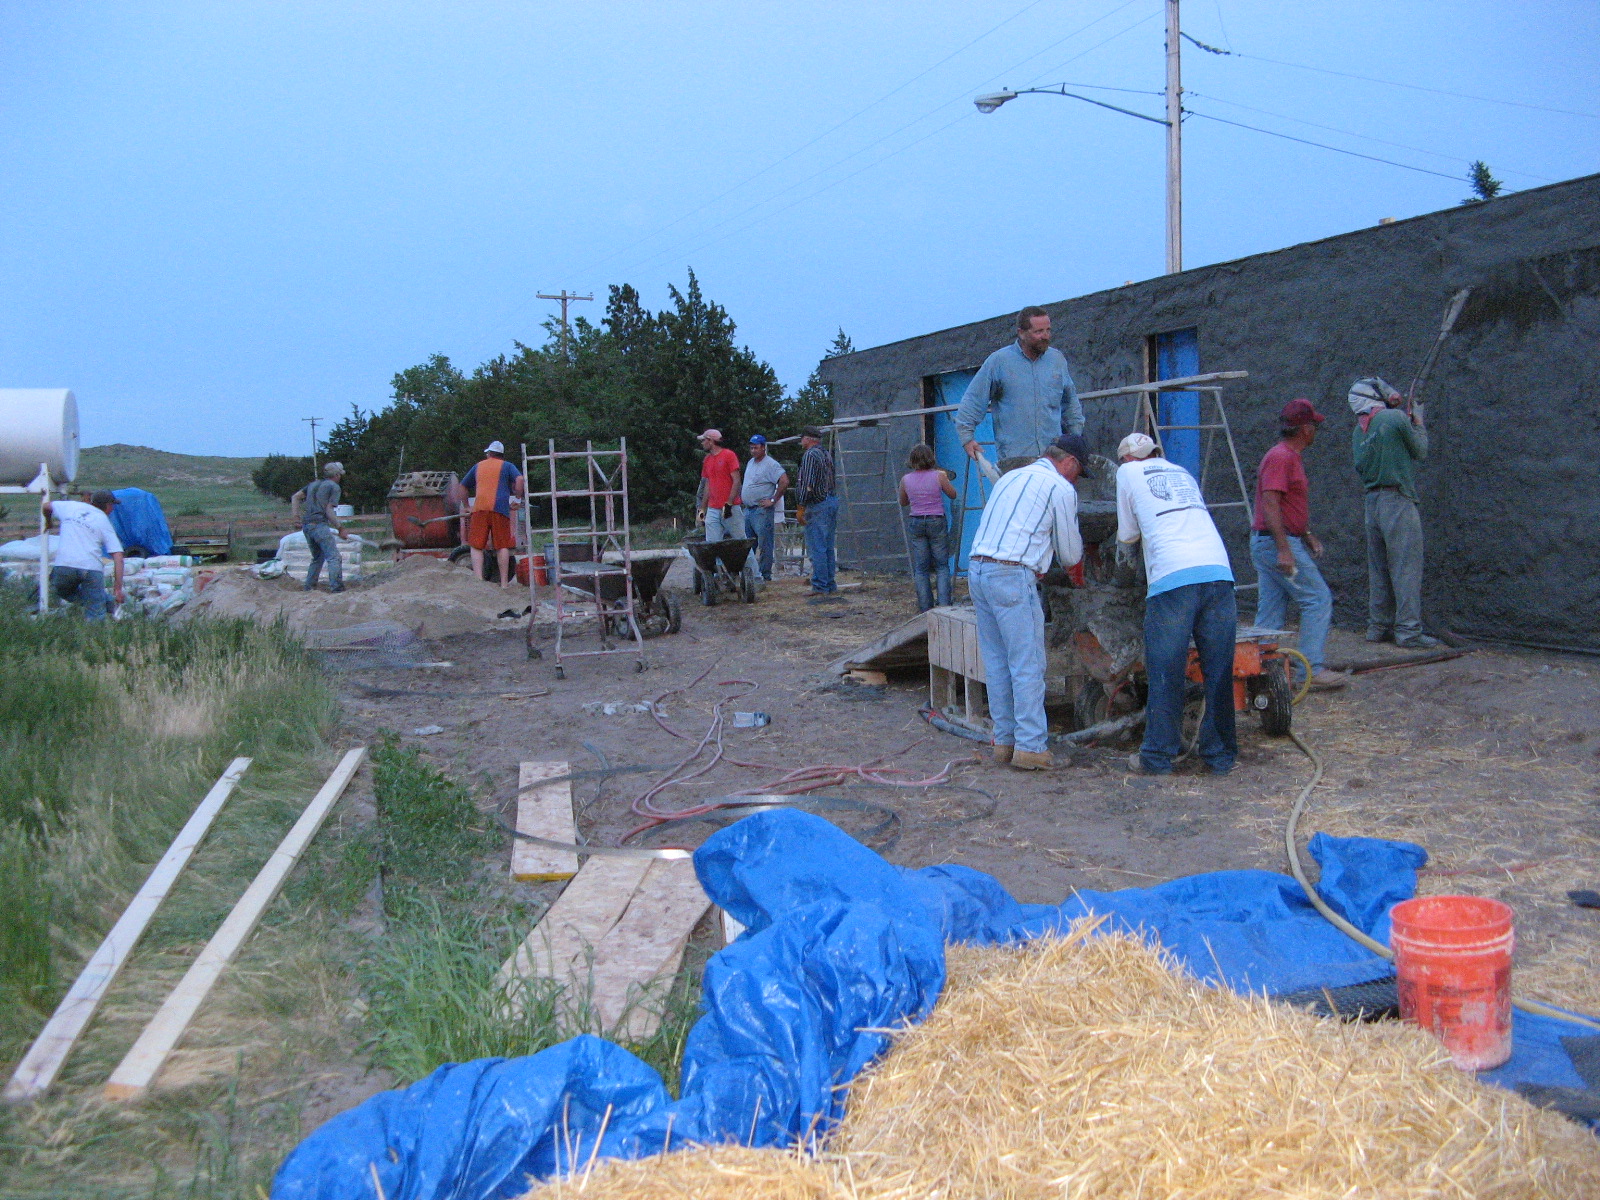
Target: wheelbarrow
pixel 656 609
pixel 725 566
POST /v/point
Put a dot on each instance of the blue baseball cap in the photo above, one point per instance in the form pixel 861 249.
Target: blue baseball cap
pixel 757 439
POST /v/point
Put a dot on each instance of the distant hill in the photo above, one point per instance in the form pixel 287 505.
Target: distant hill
pixel 139 466
pixel 188 485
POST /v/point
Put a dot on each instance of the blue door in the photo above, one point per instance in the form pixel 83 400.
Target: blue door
pixel 1177 356
pixel 972 488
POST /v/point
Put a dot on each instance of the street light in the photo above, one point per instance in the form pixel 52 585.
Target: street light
pixel 1173 121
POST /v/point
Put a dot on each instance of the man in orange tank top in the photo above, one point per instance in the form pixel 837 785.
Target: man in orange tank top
pixel 491 483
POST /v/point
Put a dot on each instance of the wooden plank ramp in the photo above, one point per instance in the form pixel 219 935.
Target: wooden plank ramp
pixel 43 1061
pixel 613 939
pixel 138 1069
pixel 544 810
pixel 906 645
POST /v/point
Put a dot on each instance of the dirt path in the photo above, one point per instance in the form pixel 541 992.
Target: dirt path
pixel 1490 761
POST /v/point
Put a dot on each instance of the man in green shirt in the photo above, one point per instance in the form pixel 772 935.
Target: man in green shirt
pixel 1387 444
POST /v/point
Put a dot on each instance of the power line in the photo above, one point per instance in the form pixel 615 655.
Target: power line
pixel 1351 133
pixel 1321 145
pixel 895 133
pixel 1415 87
pixel 825 133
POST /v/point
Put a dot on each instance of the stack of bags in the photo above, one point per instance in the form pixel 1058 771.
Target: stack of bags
pixel 155 586
pixel 294 558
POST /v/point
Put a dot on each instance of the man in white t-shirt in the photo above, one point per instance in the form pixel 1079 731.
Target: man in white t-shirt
pixel 77 572
pixel 1190 596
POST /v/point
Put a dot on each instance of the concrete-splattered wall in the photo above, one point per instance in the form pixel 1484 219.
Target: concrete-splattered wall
pixel 1510 495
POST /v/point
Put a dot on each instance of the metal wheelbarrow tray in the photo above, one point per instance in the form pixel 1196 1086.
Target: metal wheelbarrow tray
pixel 723 566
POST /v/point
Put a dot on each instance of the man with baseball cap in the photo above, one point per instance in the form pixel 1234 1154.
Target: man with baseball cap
pixel 765 482
pixel 1189 597
pixel 77 567
pixel 819 511
pixel 1031 515
pixel 1388 444
pixel 492 483
pixel 1282 546
pixel 719 484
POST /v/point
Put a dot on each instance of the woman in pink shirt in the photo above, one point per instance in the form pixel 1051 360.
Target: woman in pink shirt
pixel 923 490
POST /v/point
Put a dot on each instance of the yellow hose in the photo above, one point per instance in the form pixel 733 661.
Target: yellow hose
pixel 1306 663
pixel 1531 1006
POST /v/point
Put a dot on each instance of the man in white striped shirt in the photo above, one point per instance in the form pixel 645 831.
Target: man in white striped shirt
pixel 1032 511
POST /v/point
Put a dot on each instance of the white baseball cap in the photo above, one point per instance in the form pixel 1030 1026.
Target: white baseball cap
pixel 1136 445
pixel 495 448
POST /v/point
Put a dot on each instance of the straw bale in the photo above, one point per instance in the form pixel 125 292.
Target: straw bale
pixel 704 1173
pixel 1090 1067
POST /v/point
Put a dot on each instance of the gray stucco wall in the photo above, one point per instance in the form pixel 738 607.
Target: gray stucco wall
pixel 1510 500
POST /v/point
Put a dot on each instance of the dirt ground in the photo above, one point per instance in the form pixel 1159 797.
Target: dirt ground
pixel 1490 761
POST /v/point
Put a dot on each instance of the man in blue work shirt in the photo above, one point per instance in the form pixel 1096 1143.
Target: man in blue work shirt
pixel 1029 387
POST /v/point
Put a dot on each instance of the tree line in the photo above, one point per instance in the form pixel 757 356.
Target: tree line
pixel 657 379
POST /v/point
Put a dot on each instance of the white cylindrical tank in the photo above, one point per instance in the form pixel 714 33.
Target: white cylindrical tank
pixel 37 425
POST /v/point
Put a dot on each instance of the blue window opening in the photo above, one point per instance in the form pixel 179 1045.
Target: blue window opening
pixel 1176 355
pixel 972 488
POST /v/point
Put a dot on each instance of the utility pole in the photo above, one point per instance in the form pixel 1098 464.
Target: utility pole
pixel 312 421
pixel 1174 142
pixel 566 298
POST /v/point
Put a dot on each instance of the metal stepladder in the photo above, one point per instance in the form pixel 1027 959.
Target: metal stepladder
pixel 596 579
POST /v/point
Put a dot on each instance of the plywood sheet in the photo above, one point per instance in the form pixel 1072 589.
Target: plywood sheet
pixel 544 810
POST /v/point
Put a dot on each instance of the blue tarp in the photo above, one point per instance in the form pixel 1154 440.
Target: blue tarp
pixel 139 521
pixel 838 943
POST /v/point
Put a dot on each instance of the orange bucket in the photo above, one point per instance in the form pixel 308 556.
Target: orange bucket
pixel 541 574
pixel 1452 956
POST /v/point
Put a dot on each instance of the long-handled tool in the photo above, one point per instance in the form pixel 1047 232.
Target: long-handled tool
pixel 1451 313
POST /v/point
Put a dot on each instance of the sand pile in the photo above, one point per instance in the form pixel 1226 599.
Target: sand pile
pixel 429 596
pixel 1089 1067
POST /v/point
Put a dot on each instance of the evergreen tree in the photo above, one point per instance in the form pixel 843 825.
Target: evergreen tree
pixel 1484 185
pixel 813 403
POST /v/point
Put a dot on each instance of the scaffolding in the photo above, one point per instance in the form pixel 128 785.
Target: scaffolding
pixel 590 565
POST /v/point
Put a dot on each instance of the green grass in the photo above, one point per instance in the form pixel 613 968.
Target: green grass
pixel 110 733
pixel 429 982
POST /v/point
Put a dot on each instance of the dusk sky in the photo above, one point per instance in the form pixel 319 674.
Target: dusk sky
pixel 216 219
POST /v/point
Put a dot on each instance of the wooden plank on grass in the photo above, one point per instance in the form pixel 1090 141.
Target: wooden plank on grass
pixel 544 810
pixel 43 1061
pixel 645 947
pixel 565 938
pixel 137 1071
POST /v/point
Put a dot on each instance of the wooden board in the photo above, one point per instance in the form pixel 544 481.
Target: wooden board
pixel 731 929
pixel 645 947
pixel 906 645
pixel 563 942
pixel 953 641
pixel 544 810
pixel 43 1061
pixel 137 1071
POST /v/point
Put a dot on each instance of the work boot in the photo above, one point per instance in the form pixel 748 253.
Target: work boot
pixel 999 754
pixel 1326 680
pixel 1136 765
pixel 1418 641
pixel 1030 760
pixel 1376 635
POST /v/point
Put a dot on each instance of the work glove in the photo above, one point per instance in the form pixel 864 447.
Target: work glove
pixel 1418 415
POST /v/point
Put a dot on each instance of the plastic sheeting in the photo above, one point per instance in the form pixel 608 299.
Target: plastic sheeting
pixel 139 521
pixel 838 943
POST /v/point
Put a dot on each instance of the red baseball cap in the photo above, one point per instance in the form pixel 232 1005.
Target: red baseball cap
pixel 1300 412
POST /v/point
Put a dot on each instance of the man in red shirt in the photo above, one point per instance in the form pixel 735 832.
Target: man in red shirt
pixel 719 489
pixel 1283 547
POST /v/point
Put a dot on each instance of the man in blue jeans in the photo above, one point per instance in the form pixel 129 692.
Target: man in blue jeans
pixel 814 492
pixel 1190 597
pixel 1032 511
pixel 1284 549
pixel 765 482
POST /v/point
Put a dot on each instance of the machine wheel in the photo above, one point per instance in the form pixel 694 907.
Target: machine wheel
pixel 1089 704
pixel 708 589
pixel 674 610
pixel 747 582
pixel 1273 700
pixel 638 666
pixel 561 672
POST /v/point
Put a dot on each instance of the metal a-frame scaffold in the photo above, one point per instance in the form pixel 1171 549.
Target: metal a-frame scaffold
pixel 591 565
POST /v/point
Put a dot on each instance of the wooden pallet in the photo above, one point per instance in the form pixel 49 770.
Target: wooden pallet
pixel 956 680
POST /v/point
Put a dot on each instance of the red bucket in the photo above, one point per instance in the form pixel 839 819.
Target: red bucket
pixel 1452 955
pixel 541 574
